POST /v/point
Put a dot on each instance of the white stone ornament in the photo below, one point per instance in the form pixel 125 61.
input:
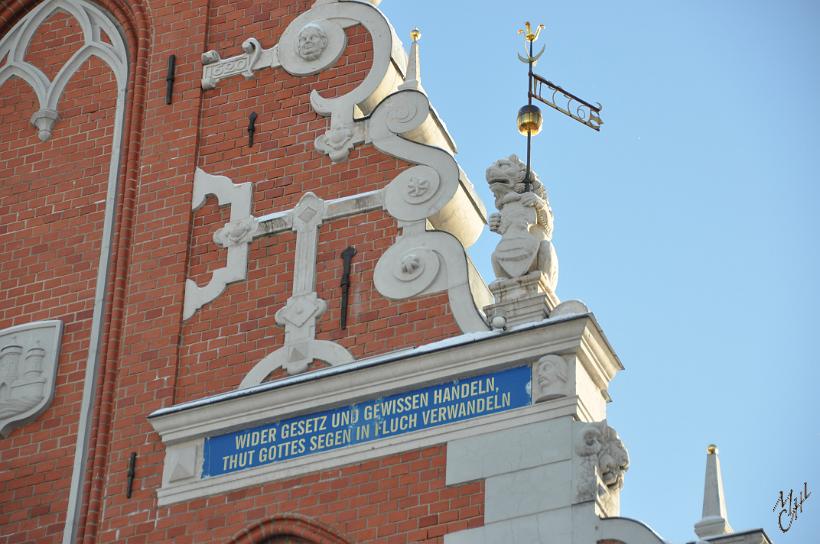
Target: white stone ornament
pixel 432 192
pixel 28 368
pixel 415 194
pixel 337 142
pixel 550 378
pixel 524 222
pixel 94 24
pixel 524 261
pixel 311 42
pixel 603 460
pixel 255 57
pixel 44 120
pixel 236 235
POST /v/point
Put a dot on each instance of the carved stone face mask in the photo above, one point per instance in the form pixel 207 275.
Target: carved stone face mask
pixel 312 41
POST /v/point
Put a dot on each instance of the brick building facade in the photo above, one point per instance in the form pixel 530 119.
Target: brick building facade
pixel 116 173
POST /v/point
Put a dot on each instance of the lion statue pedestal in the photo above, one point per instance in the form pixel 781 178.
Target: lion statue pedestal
pixel 524 261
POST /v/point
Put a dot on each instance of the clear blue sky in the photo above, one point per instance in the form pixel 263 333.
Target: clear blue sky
pixel 688 224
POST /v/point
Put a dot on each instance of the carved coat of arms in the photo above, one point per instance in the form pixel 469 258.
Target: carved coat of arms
pixel 28 367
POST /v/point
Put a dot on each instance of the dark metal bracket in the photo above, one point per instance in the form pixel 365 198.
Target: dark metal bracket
pixel 347 255
pixel 251 127
pixel 169 78
pixel 132 465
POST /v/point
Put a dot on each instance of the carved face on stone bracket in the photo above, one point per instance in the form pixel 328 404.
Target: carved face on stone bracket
pixel 311 42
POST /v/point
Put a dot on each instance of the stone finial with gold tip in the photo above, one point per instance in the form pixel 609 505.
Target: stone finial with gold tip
pixel 715 520
pixel 412 79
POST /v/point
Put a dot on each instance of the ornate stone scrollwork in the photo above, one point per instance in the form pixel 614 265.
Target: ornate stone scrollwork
pixel 216 69
pixel 603 462
pixel 28 366
pixel 236 235
pixel 336 142
pixel 416 194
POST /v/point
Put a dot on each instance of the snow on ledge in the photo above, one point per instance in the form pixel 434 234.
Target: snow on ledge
pixel 447 343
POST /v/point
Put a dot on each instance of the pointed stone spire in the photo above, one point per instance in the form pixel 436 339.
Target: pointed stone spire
pixel 715 521
pixel 412 80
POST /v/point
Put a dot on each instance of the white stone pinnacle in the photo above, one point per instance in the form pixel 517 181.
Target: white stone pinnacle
pixel 715 521
pixel 412 80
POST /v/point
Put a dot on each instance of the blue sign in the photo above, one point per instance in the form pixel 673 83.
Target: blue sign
pixel 401 413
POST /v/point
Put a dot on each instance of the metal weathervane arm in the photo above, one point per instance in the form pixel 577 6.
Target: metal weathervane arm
pixel 567 103
pixel 529 116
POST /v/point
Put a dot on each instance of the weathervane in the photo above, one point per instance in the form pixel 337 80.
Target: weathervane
pixel 529 116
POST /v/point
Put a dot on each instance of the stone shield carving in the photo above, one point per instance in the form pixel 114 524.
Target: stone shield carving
pixel 28 367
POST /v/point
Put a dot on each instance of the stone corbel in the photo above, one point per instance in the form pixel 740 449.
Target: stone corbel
pixel 235 236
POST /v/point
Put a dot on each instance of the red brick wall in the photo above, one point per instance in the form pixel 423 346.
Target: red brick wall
pixel 52 197
pixel 398 498
pixel 50 227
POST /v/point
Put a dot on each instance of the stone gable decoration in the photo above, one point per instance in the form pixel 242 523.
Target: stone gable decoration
pixel 28 367
pixel 390 110
pixel 524 262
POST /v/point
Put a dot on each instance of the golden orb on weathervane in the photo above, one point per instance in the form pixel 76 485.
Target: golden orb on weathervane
pixel 529 120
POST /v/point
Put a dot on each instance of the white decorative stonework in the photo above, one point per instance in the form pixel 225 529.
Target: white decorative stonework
pixel 181 462
pixel 524 261
pixel 185 427
pixel 216 68
pixel 337 142
pixel 43 121
pixel 603 462
pixel 237 232
pixel 550 378
pixel 311 42
pixel 28 367
pixel 94 24
pixel 524 222
pixel 434 191
pixel 235 236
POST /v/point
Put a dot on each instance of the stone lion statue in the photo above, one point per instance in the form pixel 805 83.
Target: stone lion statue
pixel 524 221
